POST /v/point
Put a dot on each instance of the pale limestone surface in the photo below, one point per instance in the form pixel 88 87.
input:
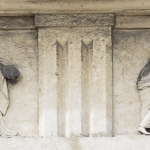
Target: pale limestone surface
pixel 74 113
pixel 19 48
pixel 129 22
pixel 130 142
pixel 131 51
pixel 75 80
pixel 9 7
pixel 17 23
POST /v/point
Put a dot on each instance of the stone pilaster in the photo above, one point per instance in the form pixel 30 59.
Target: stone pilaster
pixel 75 74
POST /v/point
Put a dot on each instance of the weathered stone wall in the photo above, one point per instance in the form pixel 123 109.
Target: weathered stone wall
pixel 31 7
pixel 19 48
pixel 76 86
pixel 78 74
pixel 131 51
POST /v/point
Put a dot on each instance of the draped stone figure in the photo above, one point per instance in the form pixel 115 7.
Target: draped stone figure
pixel 4 103
pixel 143 85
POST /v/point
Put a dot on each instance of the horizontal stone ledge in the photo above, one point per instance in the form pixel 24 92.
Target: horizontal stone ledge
pixel 40 5
pixel 16 23
pixel 74 20
pixel 108 143
pixel 132 22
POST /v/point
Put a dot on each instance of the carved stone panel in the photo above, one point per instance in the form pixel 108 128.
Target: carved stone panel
pixel 131 51
pixel 75 79
pixel 19 48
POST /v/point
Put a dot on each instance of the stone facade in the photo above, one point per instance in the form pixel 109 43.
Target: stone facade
pixel 78 63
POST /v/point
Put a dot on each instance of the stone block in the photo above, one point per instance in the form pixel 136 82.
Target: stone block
pixel 74 20
pixel 75 79
pixel 131 51
pixel 19 48
pixel 132 22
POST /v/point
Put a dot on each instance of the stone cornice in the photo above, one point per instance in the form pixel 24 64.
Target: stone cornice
pixel 40 5
pixel 74 20
pixel 30 7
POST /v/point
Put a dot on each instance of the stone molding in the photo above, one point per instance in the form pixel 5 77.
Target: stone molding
pixel 132 22
pixel 41 6
pixel 134 142
pixel 74 20
pixel 16 23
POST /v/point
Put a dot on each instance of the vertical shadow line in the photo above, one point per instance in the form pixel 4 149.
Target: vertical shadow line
pixel 62 71
pixel 86 78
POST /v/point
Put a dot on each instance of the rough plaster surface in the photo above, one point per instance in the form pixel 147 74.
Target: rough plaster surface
pixel 20 49
pixel 131 51
pixel 62 56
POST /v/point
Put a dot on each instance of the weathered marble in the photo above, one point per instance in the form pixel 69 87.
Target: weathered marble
pixel 63 75
pixel 65 87
pixel 19 48
pixel 67 70
pixel 131 51
pixel 130 142
pixel 132 22
pixel 17 23
pixel 30 7
pixel 74 20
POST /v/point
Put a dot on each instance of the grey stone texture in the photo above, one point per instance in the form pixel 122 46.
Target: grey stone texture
pixel 74 20
pixel 65 78
pixel 17 23
pixel 79 62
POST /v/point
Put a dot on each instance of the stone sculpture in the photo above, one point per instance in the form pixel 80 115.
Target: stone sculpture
pixel 143 85
pixel 6 72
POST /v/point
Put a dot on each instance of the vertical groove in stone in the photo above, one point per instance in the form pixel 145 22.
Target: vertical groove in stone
pixel 62 66
pixel 109 84
pixel 86 77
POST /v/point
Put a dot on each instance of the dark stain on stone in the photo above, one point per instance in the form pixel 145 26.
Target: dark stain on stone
pixel 15 81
